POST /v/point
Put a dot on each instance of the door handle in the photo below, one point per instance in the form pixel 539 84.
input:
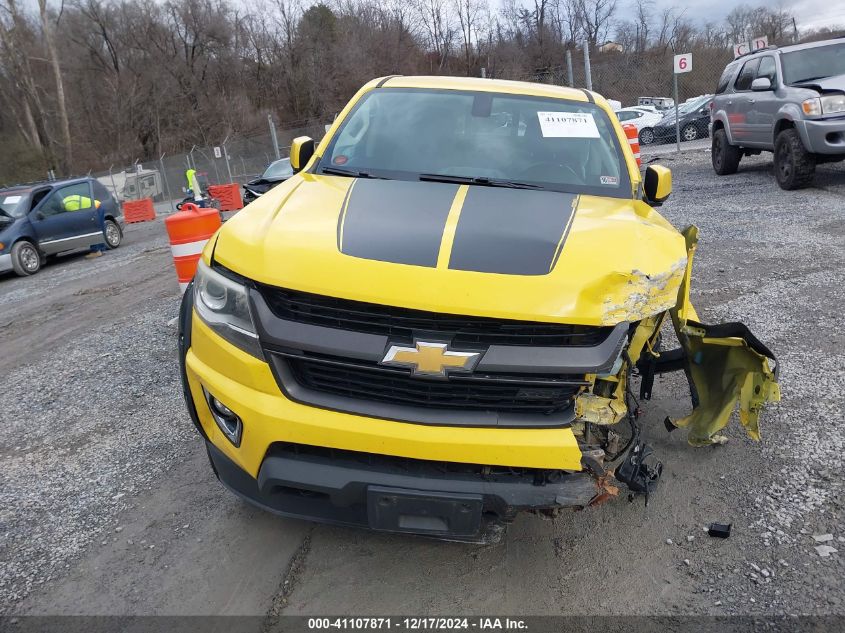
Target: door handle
pixel 730 102
pixel 751 101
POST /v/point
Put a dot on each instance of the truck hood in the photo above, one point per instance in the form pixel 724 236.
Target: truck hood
pixel 835 83
pixel 506 253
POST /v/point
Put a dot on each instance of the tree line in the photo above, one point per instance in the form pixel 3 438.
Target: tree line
pixel 89 83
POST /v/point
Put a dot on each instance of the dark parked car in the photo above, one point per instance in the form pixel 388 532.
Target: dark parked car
pixel 277 172
pixel 694 118
pixel 42 219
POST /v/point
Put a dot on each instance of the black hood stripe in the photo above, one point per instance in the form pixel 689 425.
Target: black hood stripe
pixel 395 221
pixel 511 231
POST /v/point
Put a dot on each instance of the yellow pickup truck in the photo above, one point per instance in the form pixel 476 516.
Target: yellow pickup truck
pixel 434 324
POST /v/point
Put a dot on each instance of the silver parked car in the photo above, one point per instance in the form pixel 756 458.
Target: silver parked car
pixel 789 101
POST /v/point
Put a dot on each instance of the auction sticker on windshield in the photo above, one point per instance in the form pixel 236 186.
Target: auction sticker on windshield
pixel 568 125
pixel 12 199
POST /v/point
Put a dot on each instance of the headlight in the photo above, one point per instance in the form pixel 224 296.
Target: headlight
pixel 223 305
pixel 828 104
pixel 833 103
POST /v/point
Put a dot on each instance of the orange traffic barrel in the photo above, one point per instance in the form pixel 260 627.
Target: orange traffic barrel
pixel 189 230
pixel 633 141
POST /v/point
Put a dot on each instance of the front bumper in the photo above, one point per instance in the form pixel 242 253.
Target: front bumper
pixel 393 495
pixel 5 262
pixel 824 136
pixel 247 386
pixel 359 457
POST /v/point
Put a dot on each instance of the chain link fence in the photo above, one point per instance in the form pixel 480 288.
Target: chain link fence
pixel 642 78
pixel 628 78
pixel 234 160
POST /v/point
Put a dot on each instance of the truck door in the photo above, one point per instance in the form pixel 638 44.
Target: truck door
pixel 66 219
pixel 764 104
pixel 740 103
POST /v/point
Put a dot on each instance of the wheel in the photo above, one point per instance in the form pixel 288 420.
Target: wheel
pixel 646 136
pixel 689 133
pixel 112 233
pixel 725 156
pixel 794 165
pixel 26 260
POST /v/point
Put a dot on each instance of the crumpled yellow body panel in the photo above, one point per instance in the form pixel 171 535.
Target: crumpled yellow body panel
pixel 725 371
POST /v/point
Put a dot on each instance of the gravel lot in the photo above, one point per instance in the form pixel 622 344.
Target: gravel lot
pixel 108 506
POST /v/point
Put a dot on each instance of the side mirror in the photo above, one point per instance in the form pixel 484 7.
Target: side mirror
pixel 301 151
pixel 657 184
pixel 761 84
pixel 39 215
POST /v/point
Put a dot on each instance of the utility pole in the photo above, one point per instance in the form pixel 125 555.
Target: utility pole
pixel 677 123
pixel 569 74
pixel 587 71
pixel 273 137
pixel 226 156
pixel 794 31
pixel 166 184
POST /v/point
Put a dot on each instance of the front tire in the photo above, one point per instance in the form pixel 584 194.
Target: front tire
pixel 26 260
pixel 794 165
pixel 725 157
pixel 646 136
pixel 112 234
pixel 689 133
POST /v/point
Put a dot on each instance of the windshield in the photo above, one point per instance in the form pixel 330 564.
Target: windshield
pixel 278 169
pixel 813 63
pixel 691 106
pixel 489 138
pixel 14 203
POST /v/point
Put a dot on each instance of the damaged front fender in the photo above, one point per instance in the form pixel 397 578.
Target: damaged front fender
pixel 726 366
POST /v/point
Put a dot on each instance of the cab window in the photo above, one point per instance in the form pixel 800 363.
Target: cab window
pixel 101 194
pixel 68 199
pixel 747 74
pixel 768 70
pixel 725 79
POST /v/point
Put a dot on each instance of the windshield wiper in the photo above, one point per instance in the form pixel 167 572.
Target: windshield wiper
pixel 478 180
pixel 349 173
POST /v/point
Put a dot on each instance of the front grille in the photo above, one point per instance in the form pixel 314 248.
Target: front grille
pixel 413 467
pixel 401 323
pixel 491 392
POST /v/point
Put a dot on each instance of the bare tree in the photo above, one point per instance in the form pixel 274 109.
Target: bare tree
pixel 596 19
pixel 61 104
pixel 436 18
pixel 470 14
pixel 643 9
pixel 16 70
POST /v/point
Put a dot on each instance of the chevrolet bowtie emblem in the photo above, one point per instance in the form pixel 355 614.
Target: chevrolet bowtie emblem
pixel 430 359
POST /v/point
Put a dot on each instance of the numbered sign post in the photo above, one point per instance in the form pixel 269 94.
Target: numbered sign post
pixel 683 64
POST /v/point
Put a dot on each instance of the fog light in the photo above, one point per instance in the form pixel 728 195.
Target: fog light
pixel 227 420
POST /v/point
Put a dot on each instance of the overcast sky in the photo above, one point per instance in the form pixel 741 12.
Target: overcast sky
pixel 809 14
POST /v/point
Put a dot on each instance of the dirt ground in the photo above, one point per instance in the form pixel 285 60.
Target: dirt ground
pixel 108 504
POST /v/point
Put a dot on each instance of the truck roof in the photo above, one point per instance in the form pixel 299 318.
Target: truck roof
pixel 793 47
pixel 483 85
